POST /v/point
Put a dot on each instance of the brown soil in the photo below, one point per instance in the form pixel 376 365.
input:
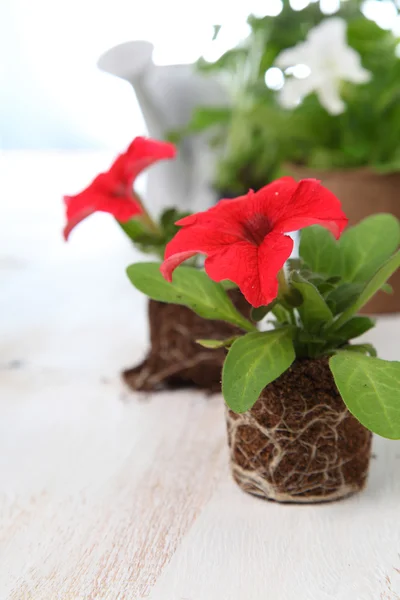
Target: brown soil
pixel 175 359
pixel 299 443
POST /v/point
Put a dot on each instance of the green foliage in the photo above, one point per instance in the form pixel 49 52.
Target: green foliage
pixel 342 296
pixel 350 263
pixel 152 240
pixel 345 274
pixel 258 314
pixel 371 391
pixel 254 361
pixel 190 287
pixel 320 251
pixel 365 247
pixel 370 289
pixel 213 344
pixel 314 314
pixel 314 311
pixel 353 328
pixel 360 348
pixel 255 136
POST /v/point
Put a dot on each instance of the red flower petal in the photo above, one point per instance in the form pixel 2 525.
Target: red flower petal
pixel 98 198
pixel 291 206
pixel 253 268
pixel 203 239
pixel 112 191
pixel 243 238
pixel 142 153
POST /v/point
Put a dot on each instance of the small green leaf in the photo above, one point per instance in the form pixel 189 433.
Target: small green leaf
pixel 258 314
pixel 370 388
pixel 308 338
pixel 367 245
pixel 377 281
pixel 325 288
pixel 361 348
pixel 146 241
pixel 294 264
pixel 212 344
pixel 133 228
pixel 319 249
pixel 387 288
pixel 190 287
pixel 254 361
pixel 281 314
pixel 314 312
pixel 228 285
pixel 354 328
pixel 169 217
pixel 342 296
pixel 292 299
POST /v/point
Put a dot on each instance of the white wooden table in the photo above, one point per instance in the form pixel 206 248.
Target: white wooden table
pixel 106 494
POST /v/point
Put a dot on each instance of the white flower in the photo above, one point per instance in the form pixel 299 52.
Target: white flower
pixel 330 60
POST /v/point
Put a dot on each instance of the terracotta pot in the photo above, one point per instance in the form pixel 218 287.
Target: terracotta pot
pixel 299 443
pixel 175 359
pixel 363 193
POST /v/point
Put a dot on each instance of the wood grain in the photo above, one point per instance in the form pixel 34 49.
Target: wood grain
pixel 115 496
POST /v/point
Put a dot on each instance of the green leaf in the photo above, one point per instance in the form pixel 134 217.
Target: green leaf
pixel 314 312
pixel 354 328
pixel 380 277
pixel 212 344
pixel 258 314
pixel 342 296
pixel 191 288
pixel 370 388
pixel 387 288
pixel 292 298
pixel 146 241
pixel 228 285
pixel 361 348
pixel 254 361
pixel 367 245
pixel 294 264
pixel 133 228
pixel 308 338
pixel 319 249
pixel 281 314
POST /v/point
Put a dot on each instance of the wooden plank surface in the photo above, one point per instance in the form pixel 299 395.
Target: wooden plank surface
pixel 110 495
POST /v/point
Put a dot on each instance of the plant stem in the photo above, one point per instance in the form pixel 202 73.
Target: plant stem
pixel 284 290
pixel 145 217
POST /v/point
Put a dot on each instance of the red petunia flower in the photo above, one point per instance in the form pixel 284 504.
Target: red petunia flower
pixel 244 238
pixel 112 192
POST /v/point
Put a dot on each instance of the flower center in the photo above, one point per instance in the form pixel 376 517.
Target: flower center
pixel 121 190
pixel 256 227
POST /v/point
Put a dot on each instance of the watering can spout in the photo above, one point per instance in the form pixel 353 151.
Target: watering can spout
pixel 167 96
pixel 128 60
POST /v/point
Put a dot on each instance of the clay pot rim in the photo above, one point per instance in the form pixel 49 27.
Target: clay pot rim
pixel 350 173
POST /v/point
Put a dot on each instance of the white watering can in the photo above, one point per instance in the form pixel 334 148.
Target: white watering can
pixel 167 96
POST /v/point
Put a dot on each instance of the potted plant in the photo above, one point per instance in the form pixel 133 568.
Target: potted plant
pixel 302 397
pixel 174 359
pixel 320 98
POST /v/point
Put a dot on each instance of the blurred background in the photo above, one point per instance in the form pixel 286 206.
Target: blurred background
pixel 80 80
pixel 54 97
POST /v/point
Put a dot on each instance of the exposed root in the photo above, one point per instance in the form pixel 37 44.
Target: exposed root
pixel 299 443
pixel 175 359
